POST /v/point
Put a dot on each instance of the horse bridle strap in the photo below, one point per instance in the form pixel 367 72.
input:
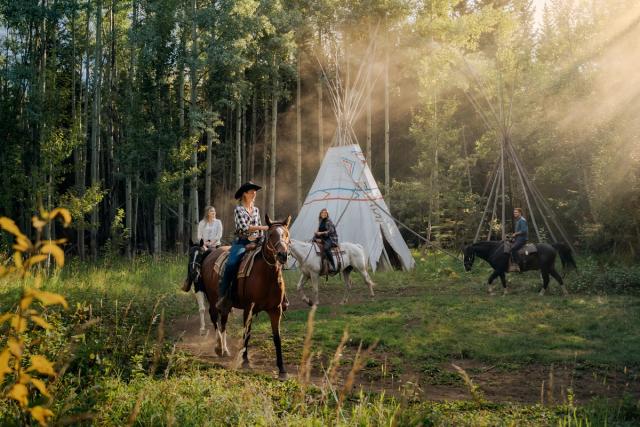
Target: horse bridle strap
pixel 273 249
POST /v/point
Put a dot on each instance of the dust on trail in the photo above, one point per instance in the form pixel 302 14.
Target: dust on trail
pixel 528 384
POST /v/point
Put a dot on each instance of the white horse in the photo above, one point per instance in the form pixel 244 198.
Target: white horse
pixel 310 265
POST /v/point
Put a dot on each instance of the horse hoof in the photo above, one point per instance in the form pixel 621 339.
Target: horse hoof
pixel 203 331
pixel 282 376
pixel 226 353
pixel 541 293
pixel 246 364
pixel 309 303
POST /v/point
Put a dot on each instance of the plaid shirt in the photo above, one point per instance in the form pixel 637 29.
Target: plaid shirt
pixel 243 220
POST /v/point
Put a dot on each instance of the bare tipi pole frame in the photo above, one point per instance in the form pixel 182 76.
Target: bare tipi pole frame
pixel 500 120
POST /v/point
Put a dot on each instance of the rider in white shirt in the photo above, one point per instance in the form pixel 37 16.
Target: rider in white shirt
pixel 210 228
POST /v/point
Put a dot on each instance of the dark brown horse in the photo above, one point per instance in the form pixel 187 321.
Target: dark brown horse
pixel 263 290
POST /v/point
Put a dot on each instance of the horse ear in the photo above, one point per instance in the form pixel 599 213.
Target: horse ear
pixel 201 242
pixel 267 220
pixel 191 242
pixel 288 221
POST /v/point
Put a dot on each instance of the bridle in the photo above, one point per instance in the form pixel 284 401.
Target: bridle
pixel 273 249
pixel 195 264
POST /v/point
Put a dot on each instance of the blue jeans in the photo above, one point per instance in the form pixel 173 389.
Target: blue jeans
pixel 233 263
pixel 517 245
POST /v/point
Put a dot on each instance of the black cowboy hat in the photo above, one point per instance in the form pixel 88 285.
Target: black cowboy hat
pixel 246 187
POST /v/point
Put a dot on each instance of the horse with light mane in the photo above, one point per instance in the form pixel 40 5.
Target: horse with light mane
pixel 310 264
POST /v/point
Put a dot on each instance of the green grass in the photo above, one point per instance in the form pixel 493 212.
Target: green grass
pixel 420 319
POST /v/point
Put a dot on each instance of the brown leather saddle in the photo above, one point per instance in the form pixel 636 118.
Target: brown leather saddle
pixel 337 253
pixel 246 265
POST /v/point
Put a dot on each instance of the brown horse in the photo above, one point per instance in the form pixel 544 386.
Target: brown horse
pixel 263 290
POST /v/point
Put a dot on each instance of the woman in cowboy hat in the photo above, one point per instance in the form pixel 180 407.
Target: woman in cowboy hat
pixel 248 228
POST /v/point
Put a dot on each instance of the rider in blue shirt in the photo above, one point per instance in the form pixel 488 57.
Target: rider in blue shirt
pixel 520 235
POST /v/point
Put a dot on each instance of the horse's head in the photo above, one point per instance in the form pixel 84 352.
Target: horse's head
pixel 276 242
pixel 469 257
pixel 195 259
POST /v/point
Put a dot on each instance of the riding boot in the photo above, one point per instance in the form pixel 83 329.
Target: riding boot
pixel 186 285
pixel 514 266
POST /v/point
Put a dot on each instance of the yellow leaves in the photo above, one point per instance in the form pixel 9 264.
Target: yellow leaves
pixel 40 322
pixel 36 259
pixel 4 364
pixel 41 365
pixel 18 323
pixel 15 347
pixel 40 385
pixel 55 250
pixel 25 302
pixel 10 226
pixel 47 298
pixel 19 392
pixel 41 414
pixel 23 244
pixel 64 213
pixel 17 260
pixel 37 223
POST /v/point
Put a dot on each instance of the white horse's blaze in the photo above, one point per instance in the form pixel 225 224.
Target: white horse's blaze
pixel 310 266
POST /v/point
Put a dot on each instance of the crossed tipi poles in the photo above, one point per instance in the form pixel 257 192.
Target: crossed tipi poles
pixel 499 120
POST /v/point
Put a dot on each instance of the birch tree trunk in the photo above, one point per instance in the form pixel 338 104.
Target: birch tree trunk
pixel 157 212
pixel 238 145
pixel 265 151
pixel 298 140
pixel 368 145
pixel 193 199
pixel 274 126
pixel 208 173
pixel 254 136
pixel 180 213
pixel 387 178
pixel 95 127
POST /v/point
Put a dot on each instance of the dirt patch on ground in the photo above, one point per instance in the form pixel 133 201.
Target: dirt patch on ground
pixel 534 383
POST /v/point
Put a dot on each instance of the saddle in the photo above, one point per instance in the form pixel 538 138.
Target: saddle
pixel 527 249
pixel 337 257
pixel 246 265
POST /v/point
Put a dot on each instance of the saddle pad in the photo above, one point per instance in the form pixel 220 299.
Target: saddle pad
pixel 218 266
pixel 528 249
pixel 247 262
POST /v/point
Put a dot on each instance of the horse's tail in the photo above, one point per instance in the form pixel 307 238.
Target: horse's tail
pixel 566 255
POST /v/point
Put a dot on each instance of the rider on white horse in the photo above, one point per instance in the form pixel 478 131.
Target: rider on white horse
pixel 327 235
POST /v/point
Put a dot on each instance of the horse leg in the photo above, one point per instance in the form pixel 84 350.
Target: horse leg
pixel 490 281
pixel 503 279
pixel 201 308
pixel 274 316
pixel 558 278
pixel 247 318
pixel 314 284
pixel 224 351
pixel 545 282
pixel 301 282
pixel 347 285
pixel 368 281
pixel 213 314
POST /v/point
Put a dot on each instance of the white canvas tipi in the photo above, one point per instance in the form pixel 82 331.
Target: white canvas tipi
pixel 346 188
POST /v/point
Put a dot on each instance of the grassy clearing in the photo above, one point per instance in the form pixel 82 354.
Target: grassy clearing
pixel 434 314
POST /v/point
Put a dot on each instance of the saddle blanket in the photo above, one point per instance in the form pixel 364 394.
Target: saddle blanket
pixel 527 249
pixel 246 265
pixel 335 250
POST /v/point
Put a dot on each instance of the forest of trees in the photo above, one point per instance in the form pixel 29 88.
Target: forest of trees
pixel 135 114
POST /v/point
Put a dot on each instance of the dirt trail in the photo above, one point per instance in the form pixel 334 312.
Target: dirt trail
pixel 529 384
